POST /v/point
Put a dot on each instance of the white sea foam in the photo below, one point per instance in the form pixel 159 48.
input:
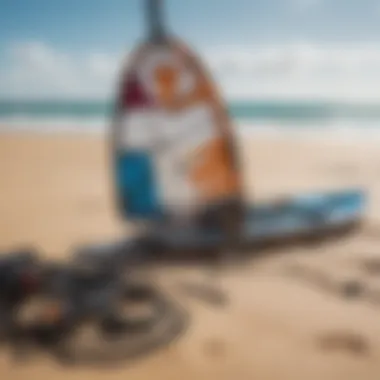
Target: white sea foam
pixel 336 130
pixel 21 123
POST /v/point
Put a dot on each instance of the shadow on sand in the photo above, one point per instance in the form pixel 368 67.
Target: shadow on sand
pixel 174 320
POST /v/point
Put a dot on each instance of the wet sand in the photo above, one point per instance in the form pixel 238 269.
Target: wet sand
pixel 287 317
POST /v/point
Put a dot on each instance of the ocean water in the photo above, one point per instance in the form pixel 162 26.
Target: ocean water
pixel 259 116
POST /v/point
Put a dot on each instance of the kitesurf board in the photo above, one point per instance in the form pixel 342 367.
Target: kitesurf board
pixel 172 142
pixel 174 157
pixel 317 216
pixel 311 215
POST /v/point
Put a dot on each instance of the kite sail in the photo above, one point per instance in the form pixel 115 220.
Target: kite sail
pixel 172 136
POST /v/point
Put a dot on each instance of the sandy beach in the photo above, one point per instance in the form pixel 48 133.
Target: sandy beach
pixel 56 195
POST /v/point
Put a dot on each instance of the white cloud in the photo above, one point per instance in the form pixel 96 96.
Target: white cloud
pixel 300 70
pixel 34 69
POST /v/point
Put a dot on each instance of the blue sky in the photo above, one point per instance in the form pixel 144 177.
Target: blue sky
pixel 46 46
pixel 110 24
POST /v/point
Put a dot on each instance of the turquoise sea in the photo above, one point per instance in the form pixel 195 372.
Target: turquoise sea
pixel 95 115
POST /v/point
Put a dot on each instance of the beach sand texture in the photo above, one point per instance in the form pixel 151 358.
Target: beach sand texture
pixel 56 194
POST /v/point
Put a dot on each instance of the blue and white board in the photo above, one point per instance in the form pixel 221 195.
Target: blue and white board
pixel 303 215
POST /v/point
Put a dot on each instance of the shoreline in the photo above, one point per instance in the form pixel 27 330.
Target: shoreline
pixel 242 129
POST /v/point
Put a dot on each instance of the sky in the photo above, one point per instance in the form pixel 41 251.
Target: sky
pixel 255 48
